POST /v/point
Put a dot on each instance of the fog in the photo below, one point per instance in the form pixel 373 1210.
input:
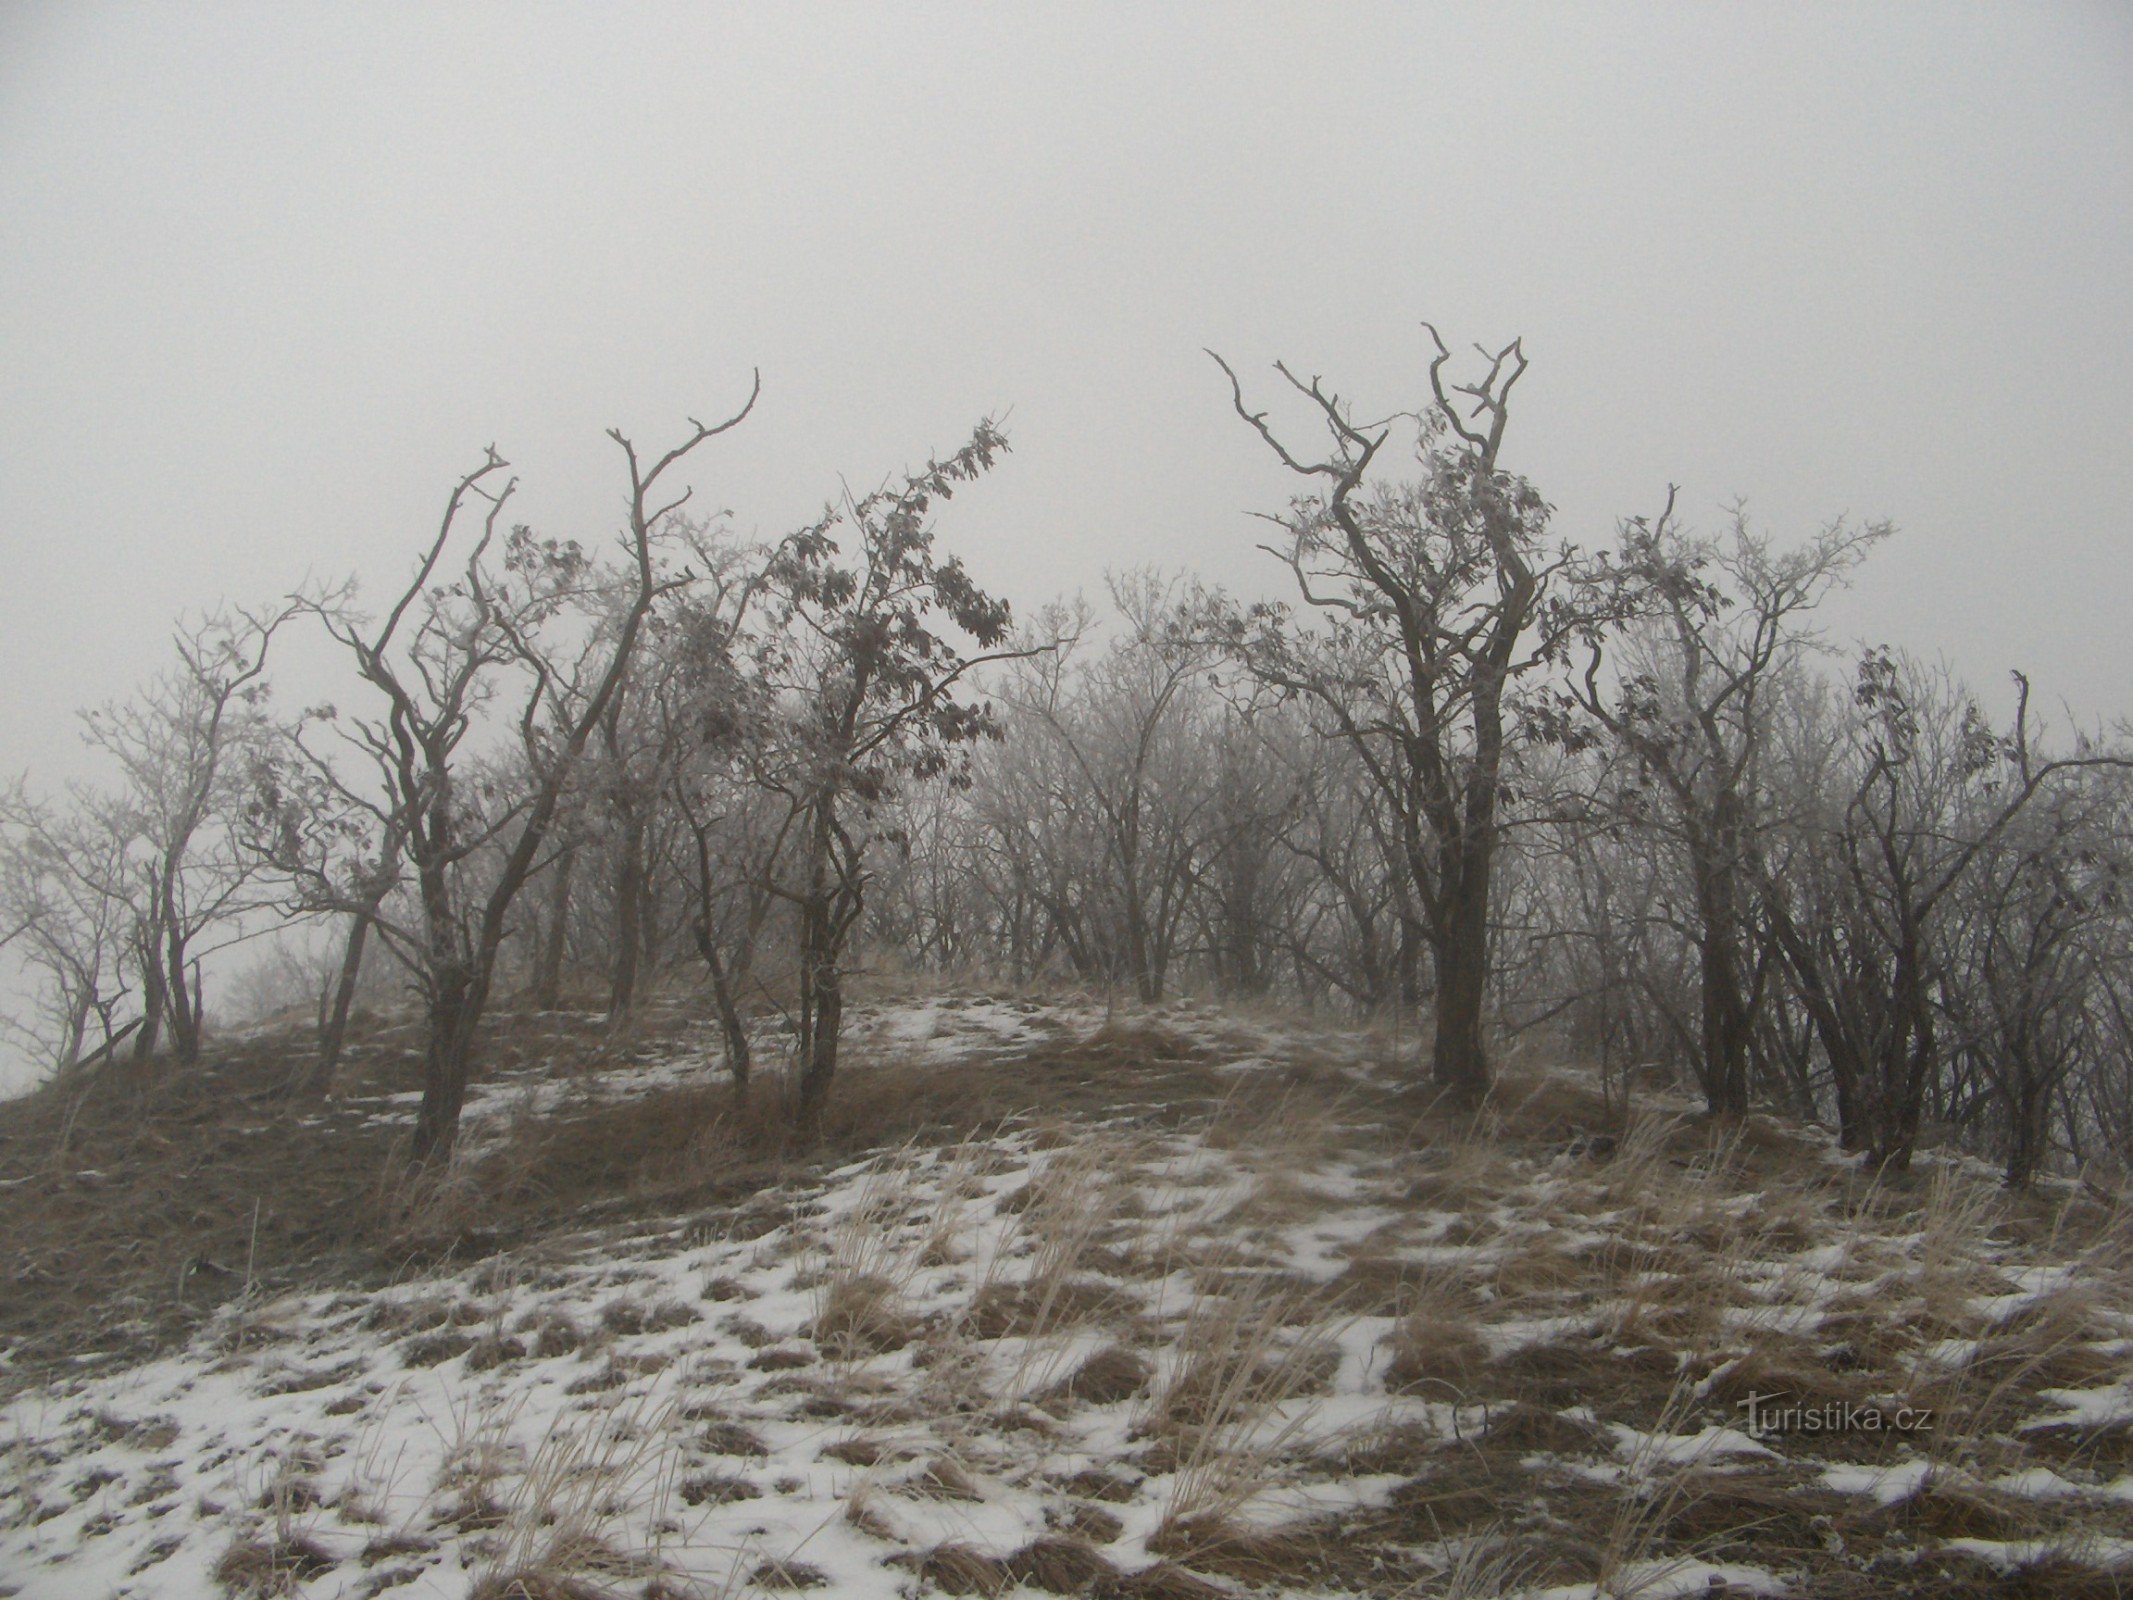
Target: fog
pixel 273 277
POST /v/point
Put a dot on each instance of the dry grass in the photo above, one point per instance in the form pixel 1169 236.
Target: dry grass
pixel 1112 1374
pixel 265 1567
pixel 859 1306
pixel 1217 1419
pixel 1783 1370
pixel 1632 1553
pixel 561 1523
pixel 137 1201
pixel 1059 1565
pixel 860 1315
pixel 1147 1264
pixel 958 1569
pixel 1435 1349
pixel 1771 1518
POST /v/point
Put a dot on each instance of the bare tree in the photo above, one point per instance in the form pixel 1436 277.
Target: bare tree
pixel 181 746
pixel 464 641
pixel 627 781
pixel 73 935
pixel 1358 931
pixel 1433 599
pixel 335 857
pixel 2027 959
pixel 714 730
pixel 1126 743
pixel 1862 900
pixel 1722 624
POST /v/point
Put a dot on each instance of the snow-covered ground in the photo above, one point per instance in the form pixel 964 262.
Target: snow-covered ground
pixel 944 1028
pixel 1095 1356
pixel 424 1432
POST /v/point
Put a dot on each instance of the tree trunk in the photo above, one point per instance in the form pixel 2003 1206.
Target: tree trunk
pixel 548 959
pixel 821 1023
pixel 1414 939
pixel 152 1005
pixel 454 998
pixel 1459 1059
pixel 77 1034
pixel 821 1018
pixel 446 1067
pixel 821 1010
pixel 740 1055
pixel 2030 1108
pixel 1726 1027
pixel 195 1020
pixel 1725 1016
pixel 629 919
pixel 184 1004
pixel 333 1032
pixel 1908 1059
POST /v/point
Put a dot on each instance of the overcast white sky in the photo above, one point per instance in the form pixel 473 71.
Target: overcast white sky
pixel 271 276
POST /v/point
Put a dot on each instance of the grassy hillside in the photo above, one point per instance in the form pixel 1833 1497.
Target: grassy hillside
pixel 1177 1303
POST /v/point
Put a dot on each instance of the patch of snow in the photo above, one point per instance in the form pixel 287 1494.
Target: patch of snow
pixel 1888 1485
pixel 1714 1443
pixel 1668 1579
pixel 2040 1483
pixel 2013 1555
pixel 2087 1408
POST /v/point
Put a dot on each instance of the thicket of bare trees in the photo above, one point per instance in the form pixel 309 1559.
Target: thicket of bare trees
pixel 1629 795
pixel 117 894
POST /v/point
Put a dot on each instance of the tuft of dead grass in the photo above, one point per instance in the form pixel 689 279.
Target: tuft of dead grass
pixel 1768 1518
pixel 1038 1307
pixel 1061 1566
pixel 1086 1521
pixel 777 1575
pixel 1112 1374
pixel 1310 1556
pixel 271 1566
pixel 542 1586
pixel 1219 1417
pixel 1435 1348
pixel 1164 1580
pixel 861 1315
pixel 944 1478
pixel 956 1568
pixel 1529 1429
pixel 1628 1385
pixel 562 1518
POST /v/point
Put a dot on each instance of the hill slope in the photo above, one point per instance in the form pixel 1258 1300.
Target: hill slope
pixel 1170 1305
